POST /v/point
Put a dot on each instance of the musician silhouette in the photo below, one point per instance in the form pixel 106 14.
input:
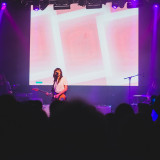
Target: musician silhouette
pixel 5 87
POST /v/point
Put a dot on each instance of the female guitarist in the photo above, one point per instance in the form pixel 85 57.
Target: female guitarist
pixel 60 86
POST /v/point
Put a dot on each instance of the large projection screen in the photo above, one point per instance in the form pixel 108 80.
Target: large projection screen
pixel 97 47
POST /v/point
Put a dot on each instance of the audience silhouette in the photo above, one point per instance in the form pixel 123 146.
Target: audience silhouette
pixel 75 129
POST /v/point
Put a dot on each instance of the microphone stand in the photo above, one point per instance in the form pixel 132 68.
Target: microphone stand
pixel 129 94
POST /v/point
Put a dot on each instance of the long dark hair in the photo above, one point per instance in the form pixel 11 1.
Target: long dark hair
pixel 55 76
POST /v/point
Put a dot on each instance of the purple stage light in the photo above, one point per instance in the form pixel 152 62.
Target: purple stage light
pixel 156 5
pixel 115 7
pixel 36 9
pixel 4 4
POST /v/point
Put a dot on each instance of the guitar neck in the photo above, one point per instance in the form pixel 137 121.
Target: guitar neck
pixel 42 91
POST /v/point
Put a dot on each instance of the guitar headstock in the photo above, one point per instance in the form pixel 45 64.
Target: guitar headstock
pixel 35 89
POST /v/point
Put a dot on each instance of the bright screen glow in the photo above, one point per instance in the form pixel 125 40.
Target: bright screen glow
pixel 91 46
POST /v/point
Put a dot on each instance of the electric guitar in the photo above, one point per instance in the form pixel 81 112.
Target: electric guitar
pixel 62 97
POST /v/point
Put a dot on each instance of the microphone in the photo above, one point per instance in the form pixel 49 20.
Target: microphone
pixel 56 74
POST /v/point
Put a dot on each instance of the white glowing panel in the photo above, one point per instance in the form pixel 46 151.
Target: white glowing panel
pixel 91 46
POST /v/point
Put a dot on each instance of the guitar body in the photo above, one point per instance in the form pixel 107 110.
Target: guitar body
pixel 62 97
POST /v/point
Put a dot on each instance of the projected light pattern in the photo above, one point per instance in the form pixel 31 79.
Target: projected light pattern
pixel 92 47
